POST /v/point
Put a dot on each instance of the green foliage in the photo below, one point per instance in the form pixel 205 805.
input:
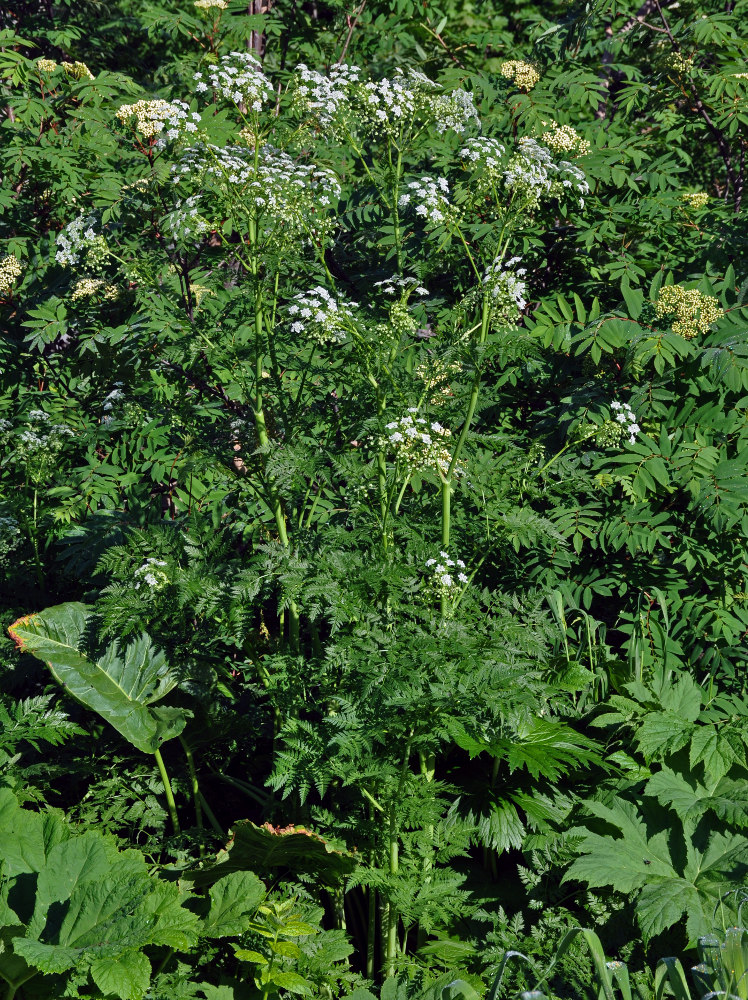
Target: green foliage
pixel 120 686
pixel 373 452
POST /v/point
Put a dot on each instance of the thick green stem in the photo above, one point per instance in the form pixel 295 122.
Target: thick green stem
pixel 392 914
pixel 371 932
pixel 396 170
pixel 428 772
pixel 273 498
pixel 195 787
pixel 467 423
pixel 16 984
pixel 35 541
pixel 393 836
pixel 170 803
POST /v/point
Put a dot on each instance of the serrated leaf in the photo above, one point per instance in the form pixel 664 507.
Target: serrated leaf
pixel 662 903
pixel 127 976
pixel 233 902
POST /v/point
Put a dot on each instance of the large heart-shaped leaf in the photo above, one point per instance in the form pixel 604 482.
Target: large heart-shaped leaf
pixel 120 685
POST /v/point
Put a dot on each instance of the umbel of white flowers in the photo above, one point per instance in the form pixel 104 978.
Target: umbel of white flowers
pixel 625 417
pixel 445 579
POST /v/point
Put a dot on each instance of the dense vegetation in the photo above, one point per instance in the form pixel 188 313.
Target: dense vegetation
pixel 373 499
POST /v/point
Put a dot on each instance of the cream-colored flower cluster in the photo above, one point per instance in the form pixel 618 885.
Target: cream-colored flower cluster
pixel 208 4
pixel 565 139
pixel 420 444
pixel 695 199
pixel 694 312
pixel 10 272
pixel 524 74
pixel 152 117
pixel 436 375
pixel 86 287
pixel 78 70
pixel 679 63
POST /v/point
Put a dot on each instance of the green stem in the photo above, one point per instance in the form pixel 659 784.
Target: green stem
pixel 428 771
pixel 395 206
pixel 394 866
pixel 211 816
pixel 16 984
pixel 566 447
pixel 273 498
pixel 473 402
pixel 35 541
pixel 195 787
pixel 392 914
pixel 371 932
pixel 171 804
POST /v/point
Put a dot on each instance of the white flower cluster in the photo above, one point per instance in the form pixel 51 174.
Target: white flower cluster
pixel 319 315
pixel 325 97
pixel 209 4
pixel 429 198
pixel 10 272
pixel 444 578
pixel 41 439
pixel 388 105
pixel 385 105
pixel 186 222
pixel 532 172
pixel 152 575
pixel 625 417
pixel 77 238
pixel 418 443
pixel 436 375
pixel 486 156
pixel 487 152
pixel 455 111
pixel 505 287
pixel 152 118
pixel 10 536
pixel 286 195
pixel 239 78
pixel 406 285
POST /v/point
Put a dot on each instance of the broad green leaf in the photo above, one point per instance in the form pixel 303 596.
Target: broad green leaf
pixel 118 685
pixel 126 976
pixel 627 862
pixel 663 901
pixel 233 901
pixel 70 864
pixel 708 748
